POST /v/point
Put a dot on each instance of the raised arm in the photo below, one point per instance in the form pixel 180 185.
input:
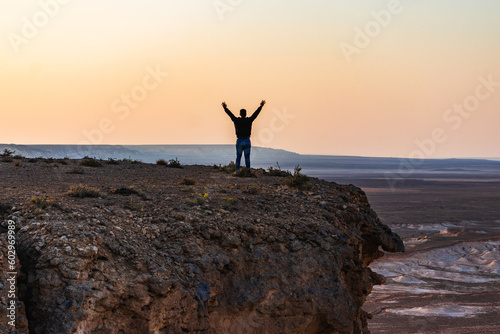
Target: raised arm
pixel 257 112
pixel 228 112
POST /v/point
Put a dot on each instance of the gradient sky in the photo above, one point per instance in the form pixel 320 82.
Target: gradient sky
pixel 67 80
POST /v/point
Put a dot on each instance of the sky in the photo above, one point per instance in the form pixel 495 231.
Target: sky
pixel 412 79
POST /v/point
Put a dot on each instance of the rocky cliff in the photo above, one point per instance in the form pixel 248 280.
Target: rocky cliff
pixel 140 248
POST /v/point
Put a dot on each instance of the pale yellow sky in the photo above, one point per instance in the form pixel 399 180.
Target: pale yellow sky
pixel 373 78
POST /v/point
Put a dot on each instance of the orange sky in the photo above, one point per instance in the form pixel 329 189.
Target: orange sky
pixel 372 78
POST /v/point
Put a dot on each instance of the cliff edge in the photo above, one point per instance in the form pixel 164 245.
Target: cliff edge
pixel 127 247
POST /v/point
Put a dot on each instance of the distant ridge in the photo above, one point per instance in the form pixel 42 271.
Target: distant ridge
pixel 187 154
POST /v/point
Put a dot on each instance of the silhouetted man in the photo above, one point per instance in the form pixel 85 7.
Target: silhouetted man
pixel 243 126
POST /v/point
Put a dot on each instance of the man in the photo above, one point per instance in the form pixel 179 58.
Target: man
pixel 243 126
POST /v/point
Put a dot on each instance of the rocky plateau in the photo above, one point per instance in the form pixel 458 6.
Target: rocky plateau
pixel 152 249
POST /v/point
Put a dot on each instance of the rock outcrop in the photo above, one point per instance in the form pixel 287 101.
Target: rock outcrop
pixel 225 255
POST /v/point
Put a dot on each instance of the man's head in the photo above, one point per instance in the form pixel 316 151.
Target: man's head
pixel 243 113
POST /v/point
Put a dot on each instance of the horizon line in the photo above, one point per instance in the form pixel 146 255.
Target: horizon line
pixel 271 148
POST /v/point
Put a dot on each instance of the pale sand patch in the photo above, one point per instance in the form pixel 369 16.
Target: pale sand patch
pixel 465 262
pixel 454 311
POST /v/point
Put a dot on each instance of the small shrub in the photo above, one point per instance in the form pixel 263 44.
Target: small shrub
pixel 174 163
pixel 162 162
pixel 112 161
pixel 17 163
pixel 230 203
pixel 132 206
pixel 244 172
pixel 298 180
pixel 124 191
pixel 272 171
pixel 82 191
pixel 75 170
pixel 7 153
pixel 199 199
pixel 231 200
pixel 62 161
pixel 43 202
pixel 90 162
pixel 7 158
pixel 253 188
pixel 188 181
pixel 229 168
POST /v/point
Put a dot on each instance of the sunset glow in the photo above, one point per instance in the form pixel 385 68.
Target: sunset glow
pixel 372 78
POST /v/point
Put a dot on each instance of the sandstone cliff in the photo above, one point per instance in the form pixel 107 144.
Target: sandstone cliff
pixel 154 254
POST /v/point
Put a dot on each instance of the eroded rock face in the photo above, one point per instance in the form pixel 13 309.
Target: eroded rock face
pixel 253 256
pixel 12 311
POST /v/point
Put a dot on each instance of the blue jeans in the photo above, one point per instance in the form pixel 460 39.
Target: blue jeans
pixel 243 145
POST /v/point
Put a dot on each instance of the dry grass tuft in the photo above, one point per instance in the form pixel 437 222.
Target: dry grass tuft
pixel 82 191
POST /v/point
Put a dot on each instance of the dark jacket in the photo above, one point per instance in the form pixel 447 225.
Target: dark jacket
pixel 242 125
